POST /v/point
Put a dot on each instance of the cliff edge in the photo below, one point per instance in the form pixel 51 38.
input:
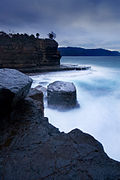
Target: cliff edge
pixel 22 51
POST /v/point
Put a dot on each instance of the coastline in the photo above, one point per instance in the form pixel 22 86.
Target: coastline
pixel 97 92
pixel 62 67
pixel 32 148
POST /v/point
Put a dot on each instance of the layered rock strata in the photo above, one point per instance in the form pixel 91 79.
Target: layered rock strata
pixel 27 52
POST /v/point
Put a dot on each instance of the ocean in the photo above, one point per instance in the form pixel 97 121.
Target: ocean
pixel 98 94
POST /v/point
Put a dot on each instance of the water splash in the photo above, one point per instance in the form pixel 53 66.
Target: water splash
pixel 98 93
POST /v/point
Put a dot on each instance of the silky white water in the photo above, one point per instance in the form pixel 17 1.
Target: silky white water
pixel 98 93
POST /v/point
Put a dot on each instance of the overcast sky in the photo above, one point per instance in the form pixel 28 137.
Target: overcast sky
pixel 84 23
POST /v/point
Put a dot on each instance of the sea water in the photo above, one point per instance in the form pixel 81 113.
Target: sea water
pixel 98 93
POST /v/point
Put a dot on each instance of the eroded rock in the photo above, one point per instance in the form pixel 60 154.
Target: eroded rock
pixel 32 148
pixel 14 86
pixel 27 53
pixel 43 89
pixel 61 94
pixel 37 95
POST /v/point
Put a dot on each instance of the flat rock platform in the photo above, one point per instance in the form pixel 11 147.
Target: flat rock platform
pixel 62 67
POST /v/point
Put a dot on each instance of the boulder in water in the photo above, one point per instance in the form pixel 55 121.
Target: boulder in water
pixel 61 94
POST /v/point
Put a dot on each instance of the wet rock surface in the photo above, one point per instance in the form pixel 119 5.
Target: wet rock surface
pixel 37 96
pixel 14 82
pixel 32 148
pixel 14 86
pixel 43 89
pixel 61 67
pixel 61 94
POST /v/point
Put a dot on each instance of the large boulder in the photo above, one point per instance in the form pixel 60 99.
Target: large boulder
pixel 61 94
pixel 14 86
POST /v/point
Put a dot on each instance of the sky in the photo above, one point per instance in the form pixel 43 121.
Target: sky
pixel 81 23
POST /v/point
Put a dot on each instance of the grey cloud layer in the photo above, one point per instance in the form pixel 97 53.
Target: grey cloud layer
pixel 81 19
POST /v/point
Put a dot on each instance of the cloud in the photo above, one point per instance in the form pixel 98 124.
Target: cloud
pixel 75 21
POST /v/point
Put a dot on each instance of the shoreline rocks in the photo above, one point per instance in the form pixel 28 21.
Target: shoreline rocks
pixel 61 95
pixel 14 86
pixel 42 89
pixel 61 67
pixel 33 149
pixel 37 96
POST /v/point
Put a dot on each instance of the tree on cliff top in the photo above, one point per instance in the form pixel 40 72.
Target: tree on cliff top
pixel 52 35
pixel 37 35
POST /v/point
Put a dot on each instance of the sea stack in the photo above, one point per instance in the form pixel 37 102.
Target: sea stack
pixel 61 94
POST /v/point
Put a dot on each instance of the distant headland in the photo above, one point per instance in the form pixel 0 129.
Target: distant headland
pixel 31 54
pixel 77 51
pixel 20 51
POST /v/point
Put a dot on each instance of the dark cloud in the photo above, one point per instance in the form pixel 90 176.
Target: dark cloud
pixel 89 23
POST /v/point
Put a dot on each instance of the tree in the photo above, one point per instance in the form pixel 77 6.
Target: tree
pixel 37 35
pixel 32 37
pixel 52 35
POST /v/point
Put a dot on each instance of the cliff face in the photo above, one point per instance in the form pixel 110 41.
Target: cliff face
pixel 23 51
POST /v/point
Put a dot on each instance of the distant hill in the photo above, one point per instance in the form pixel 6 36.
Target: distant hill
pixel 76 51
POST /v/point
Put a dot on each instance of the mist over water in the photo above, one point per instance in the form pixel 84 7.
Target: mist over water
pixel 98 93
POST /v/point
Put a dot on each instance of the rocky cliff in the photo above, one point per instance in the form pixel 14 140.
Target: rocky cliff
pixel 32 149
pixel 24 51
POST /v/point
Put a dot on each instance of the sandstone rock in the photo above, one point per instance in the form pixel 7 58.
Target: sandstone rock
pixel 43 89
pixel 61 94
pixel 14 86
pixel 32 148
pixel 25 53
pixel 38 96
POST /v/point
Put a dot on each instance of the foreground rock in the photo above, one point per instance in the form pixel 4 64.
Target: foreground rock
pixel 37 95
pixel 61 94
pixel 14 86
pixel 33 149
pixel 43 89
